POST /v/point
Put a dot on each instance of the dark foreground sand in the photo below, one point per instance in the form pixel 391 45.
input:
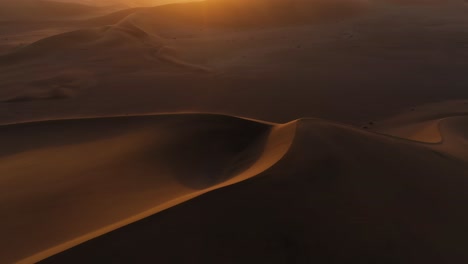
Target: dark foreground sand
pixel 108 155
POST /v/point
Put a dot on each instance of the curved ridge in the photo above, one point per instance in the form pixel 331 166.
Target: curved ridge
pixel 447 135
pixel 252 148
pixel 441 126
pixel 427 131
pixel 125 37
pixel 334 179
pixel 432 131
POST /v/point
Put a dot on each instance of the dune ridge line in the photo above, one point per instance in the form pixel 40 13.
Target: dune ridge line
pixel 277 143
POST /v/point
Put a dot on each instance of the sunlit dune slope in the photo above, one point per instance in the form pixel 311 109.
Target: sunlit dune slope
pixel 340 195
pixel 70 181
pixel 441 125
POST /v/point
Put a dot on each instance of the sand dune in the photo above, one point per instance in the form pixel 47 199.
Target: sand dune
pixel 176 14
pixel 78 179
pixel 107 39
pixel 442 125
pixel 313 179
pixel 339 195
pixel 27 21
pixel 97 46
pixel 125 37
pixel 88 175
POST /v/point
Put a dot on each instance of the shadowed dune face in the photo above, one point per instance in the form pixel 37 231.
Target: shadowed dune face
pixel 78 179
pixel 189 140
pixel 195 148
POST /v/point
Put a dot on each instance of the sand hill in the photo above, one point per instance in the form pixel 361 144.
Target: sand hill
pixel 330 199
pixel 330 191
pixel 127 168
pixel 430 124
pixel 107 156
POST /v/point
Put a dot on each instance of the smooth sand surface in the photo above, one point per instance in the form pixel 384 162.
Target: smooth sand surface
pixel 107 154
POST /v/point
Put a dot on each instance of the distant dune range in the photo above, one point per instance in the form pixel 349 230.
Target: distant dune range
pixel 204 56
pixel 108 153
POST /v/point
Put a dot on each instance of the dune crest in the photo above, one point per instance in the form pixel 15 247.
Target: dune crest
pixel 340 194
pixel 443 126
pixel 125 37
pixel 448 135
pixel 144 164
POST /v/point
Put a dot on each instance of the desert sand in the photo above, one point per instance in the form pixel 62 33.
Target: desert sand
pixel 234 131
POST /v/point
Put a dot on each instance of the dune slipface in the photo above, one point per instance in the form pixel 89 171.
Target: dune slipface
pixel 77 179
